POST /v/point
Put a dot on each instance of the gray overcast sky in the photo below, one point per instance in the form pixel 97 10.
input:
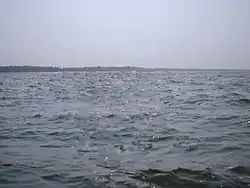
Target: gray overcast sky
pixel 146 33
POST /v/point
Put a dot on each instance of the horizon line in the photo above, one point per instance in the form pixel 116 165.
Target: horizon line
pixel 135 67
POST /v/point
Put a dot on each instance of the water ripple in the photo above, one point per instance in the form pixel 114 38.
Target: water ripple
pixel 125 129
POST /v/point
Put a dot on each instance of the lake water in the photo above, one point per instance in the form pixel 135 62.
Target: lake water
pixel 125 129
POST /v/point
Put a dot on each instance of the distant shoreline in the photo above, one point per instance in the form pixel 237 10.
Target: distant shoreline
pixel 6 69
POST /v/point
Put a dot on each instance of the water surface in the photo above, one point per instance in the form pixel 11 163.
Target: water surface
pixel 125 129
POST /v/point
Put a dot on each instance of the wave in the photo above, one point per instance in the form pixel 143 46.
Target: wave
pixel 56 145
pixel 109 115
pixel 63 116
pixel 239 102
pixel 53 177
pixel 239 84
pixel 141 116
pixel 229 149
pixel 28 133
pixel 175 178
pixel 160 138
pixel 187 178
pixel 196 83
pixel 242 170
pixel 244 101
pixel 197 101
pixel 37 116
pixel 221 118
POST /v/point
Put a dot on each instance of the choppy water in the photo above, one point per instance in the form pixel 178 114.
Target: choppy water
pixel 116 129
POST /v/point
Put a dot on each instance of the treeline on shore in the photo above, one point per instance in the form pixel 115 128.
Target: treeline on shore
pixel 98 68
pixel 58 69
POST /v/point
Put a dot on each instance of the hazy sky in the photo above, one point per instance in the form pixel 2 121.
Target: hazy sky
pixel 146 33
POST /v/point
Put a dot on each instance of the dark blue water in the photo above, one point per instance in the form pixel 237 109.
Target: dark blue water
pixel 116 129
